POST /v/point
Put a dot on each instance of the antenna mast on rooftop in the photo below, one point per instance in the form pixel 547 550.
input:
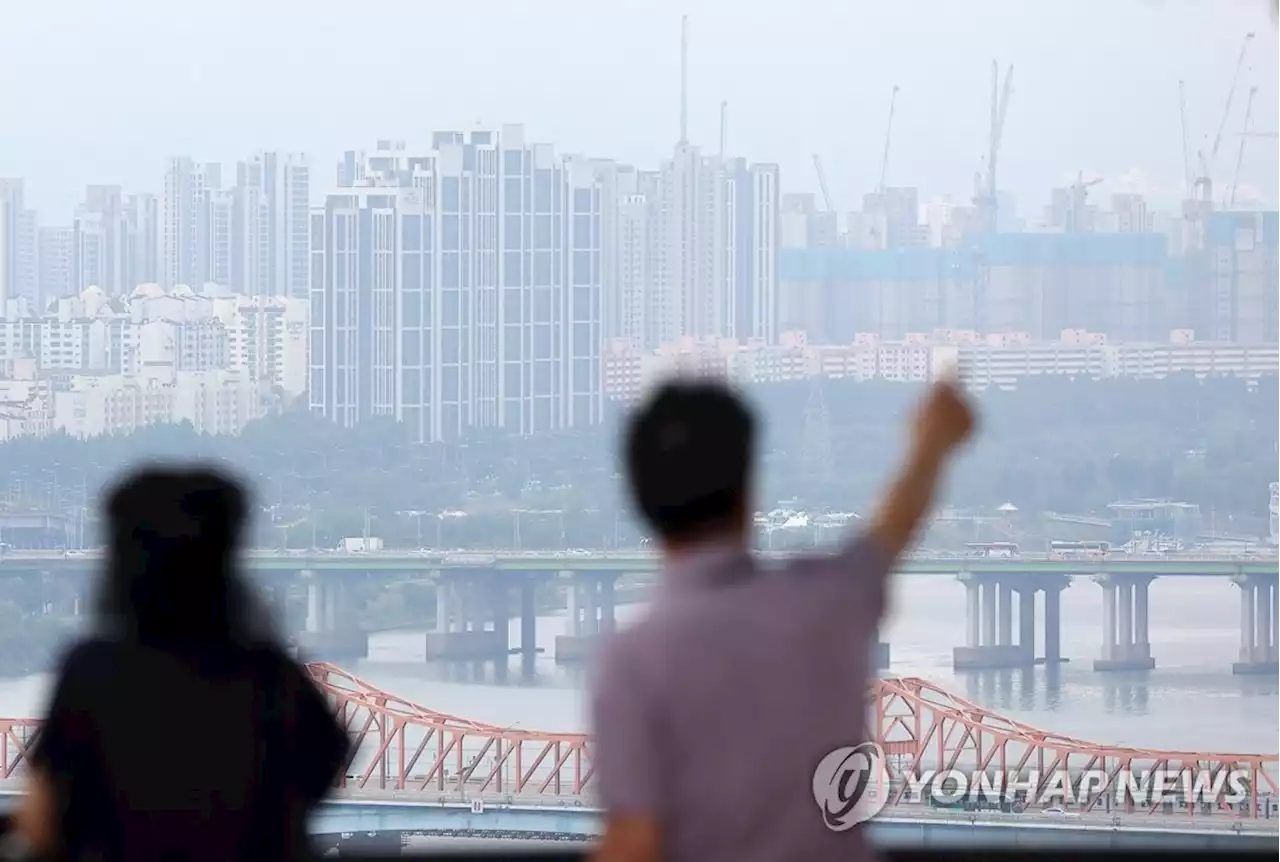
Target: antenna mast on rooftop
pixel 724 126
pixel 684 80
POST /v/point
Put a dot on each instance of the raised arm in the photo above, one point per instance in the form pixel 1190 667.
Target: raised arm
pixel 943 422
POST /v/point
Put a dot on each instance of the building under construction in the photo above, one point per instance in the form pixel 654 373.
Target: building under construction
pixel 1212 271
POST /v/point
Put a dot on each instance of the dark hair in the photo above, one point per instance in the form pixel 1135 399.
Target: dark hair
pixel 688 455
pixel 171 578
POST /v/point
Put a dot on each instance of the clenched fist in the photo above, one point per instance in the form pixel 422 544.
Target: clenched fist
pixel 944 420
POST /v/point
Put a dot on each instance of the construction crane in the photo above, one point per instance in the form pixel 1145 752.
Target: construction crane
pixel 1186 149
pixel 822 184
pixel 985 197
pixel 1244 139
pixel 1226 107
pixel 888 135
pixel 1202 187
pixel 1079 197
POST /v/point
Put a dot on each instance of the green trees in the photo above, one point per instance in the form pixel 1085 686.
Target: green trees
pixel 1055 444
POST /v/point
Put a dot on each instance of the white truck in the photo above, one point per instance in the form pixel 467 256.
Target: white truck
pixel 359 545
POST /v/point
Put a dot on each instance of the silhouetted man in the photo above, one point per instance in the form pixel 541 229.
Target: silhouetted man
pixel 712 714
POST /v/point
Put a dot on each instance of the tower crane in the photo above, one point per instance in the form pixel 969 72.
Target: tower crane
pixel 1186 150
pixel 1079 197
pixel 822 184
pixel 1203 184
pixel 985 197
pixel 1226 107
pixel 888 135
pixel 1244 138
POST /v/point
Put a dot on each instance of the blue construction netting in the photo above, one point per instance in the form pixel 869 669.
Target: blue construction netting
pixel 1015 249
pixel 1222 227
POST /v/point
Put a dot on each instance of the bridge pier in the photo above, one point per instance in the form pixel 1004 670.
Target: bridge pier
pixel 471 616
pixel 1259 625
pixel 991 641
pixel 592 612
pixel 528 627
pixel 330 632
pixel 1126 643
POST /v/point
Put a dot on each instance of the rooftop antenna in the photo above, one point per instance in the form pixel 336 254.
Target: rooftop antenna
pixel 724 126
pixel 684 80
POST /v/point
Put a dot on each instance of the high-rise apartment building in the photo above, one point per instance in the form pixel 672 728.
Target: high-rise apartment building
pixel 188 254
pixel 459 287
pixel 630 257
pixel 101 247
pixel 271 247
pixel 1233 281
pixel 756 234
pixel 114 242
pixel 55 261
pixel 142 216
pixel 18 254
pixel 712 236
pixel 253 236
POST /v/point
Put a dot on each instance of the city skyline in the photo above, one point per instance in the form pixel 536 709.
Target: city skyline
pixel 1098 94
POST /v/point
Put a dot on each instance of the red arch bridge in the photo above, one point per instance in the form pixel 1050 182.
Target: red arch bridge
pixel 402 747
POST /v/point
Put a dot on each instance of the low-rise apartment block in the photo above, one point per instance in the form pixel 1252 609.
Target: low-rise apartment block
pixel 1004 360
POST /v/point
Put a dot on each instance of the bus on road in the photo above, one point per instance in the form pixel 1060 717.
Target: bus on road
pixel 1079 550
pixel 993 550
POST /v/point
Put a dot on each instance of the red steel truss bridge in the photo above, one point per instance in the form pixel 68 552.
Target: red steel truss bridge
pixel 403 746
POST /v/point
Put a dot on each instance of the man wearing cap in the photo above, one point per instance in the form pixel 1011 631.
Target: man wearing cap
pixel 711 715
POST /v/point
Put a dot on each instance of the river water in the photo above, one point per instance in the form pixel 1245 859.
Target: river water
pixel 1189 702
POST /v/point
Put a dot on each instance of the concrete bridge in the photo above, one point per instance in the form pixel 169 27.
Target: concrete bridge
pixel 475 592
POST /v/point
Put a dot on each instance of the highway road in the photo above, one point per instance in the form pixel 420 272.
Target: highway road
pixel 645 559
pixel 289 564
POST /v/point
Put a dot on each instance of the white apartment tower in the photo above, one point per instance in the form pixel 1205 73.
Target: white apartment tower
pixel 711 236
pixel 18 247
pixel 459 287
pixel 142 215
pixel 56 256
pixel 185 240
pixel 755 237
pixel 10 213
pixel 712 242
pixel 101 247
pixel 633 258
pixel 271 226
pixel 114 242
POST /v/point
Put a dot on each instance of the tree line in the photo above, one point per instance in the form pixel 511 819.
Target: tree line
pixel 1057 444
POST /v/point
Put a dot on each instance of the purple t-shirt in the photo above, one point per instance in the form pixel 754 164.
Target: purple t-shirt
pixel 712 713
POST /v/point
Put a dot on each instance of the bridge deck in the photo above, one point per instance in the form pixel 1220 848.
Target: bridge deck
pixel 1185 565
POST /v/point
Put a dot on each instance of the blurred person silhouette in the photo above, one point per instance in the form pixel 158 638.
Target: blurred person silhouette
pixel 180 729
pixel 712 715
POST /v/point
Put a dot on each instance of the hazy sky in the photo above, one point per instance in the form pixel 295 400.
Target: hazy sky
pixel 104 90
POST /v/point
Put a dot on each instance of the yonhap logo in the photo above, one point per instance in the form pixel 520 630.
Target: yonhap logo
pixel 851 785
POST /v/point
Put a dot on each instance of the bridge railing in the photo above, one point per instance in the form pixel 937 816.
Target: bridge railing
pixel 923 729
pixel 401 745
